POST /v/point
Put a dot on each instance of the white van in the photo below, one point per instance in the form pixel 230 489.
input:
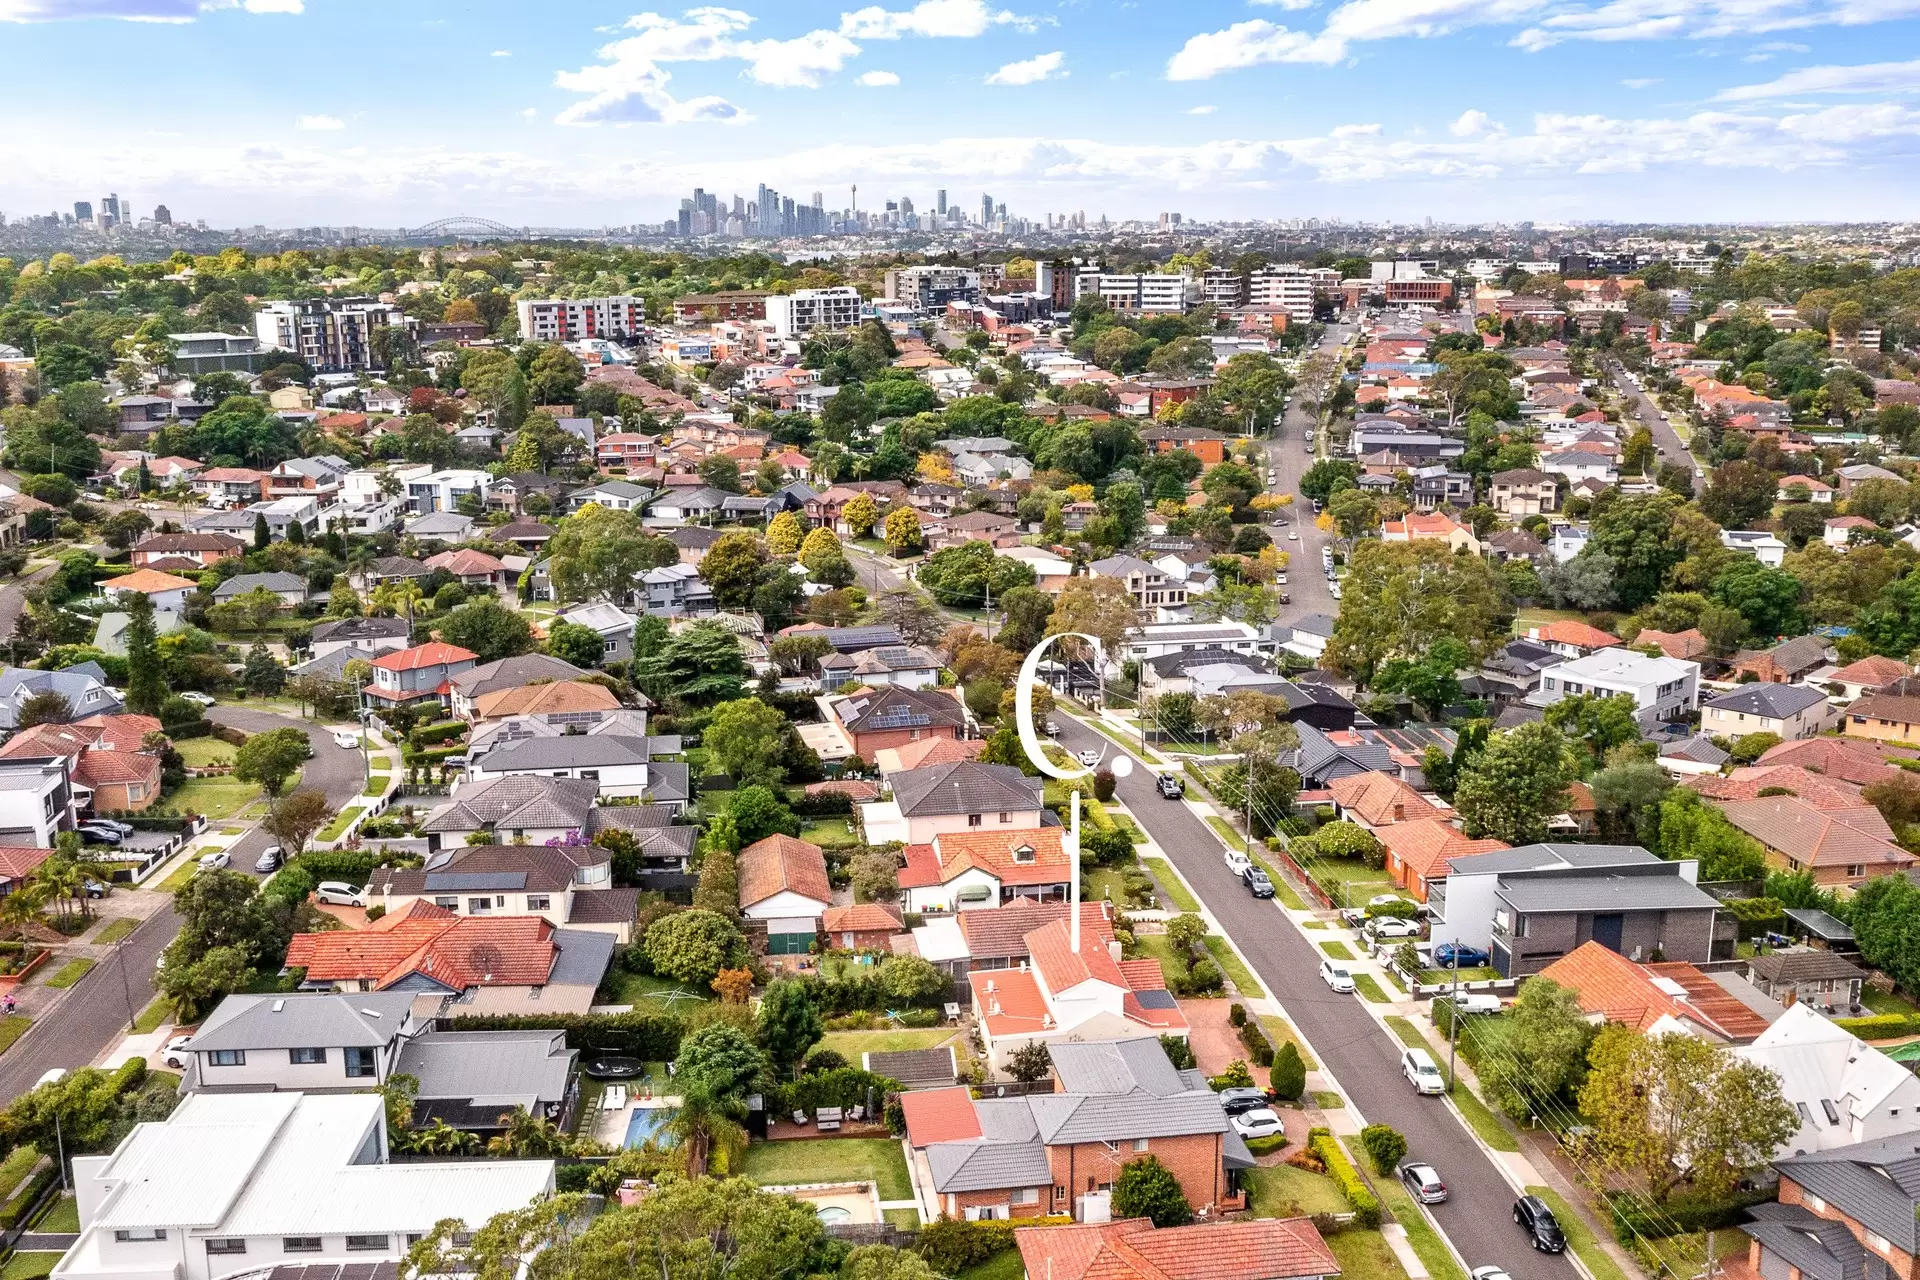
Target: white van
pixel 54 1076
pixel 1422 1072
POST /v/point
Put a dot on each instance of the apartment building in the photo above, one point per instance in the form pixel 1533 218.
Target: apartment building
pixel 1662 688
pixel 334 335
pixel 801 312
pixel 1293 289
pixel 572 319
pixel 1144 293
pixel 931 288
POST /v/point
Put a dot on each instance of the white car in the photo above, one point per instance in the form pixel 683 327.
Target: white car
pixel 1293 535
pixel 338 893
pixel 197 698
pixel 346 738
pixel 214 861
pixel 1333 589
pixel 175 1054
pixel 1336 977
pixel 1237 861
pixel 1393 927
pixel 1490 1273
pixel 1090 757
pixel 1422 1072
pixel 1280 579
pixel 1261 1123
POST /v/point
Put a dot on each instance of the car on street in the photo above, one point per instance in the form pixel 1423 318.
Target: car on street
pixel 197 698
pixel 1449 954
pixel 1535 1217
pixel 1293 535
pixel 1171 788
pixel 1257 882
pixel 338 893
pixel 175 1053
pixel 1490 1273
pixel 216 860
pixel 1475 1002
pixel 1263 1123
pixel 347 739
pixel 1336 977
pixel 1238 861
pixel 1279 579
pixel 270 859
pixel 1239 1100
pixel 1053 728
pixel 1393 927
pixel 1422 1072
pixel 1423 1182
pixel 1090 757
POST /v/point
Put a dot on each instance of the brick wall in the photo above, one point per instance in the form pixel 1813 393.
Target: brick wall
pixel 1902 1262
pixel 1090 1166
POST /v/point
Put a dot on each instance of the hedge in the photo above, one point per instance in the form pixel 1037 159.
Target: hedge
pixel 840 1087
pixel 1881 1026
pixel 827 804
pixel 433 735
pixel 1254 1037
pixel 651 1037
pixel 951 1245
pixel 18 1207
pixel 1360 1197
pixel 1683 1213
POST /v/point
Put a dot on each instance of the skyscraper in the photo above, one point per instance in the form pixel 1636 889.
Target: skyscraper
pixel 162 216
pixel 940 203
pixel 986 210
pixel 83 211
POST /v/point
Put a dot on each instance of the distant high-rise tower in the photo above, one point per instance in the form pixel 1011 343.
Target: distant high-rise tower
pixel 162 216
pixel 986 210
pixel 940 205
pixel 83 211
pixel 819 201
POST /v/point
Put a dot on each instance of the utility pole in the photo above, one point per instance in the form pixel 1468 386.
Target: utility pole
pixel 1453 1021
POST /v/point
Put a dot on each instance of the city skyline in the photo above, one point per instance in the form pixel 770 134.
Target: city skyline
pixel 1710 110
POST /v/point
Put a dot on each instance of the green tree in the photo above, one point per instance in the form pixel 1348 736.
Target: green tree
pixel 1768 599
pixel 1692 828
pixel 295 817
pixel 1324 476
pixel 861 514
pixel 961 576
pixel 598 553
pixel 1288 1078
pixel 692 946
pixel 1030 1063
pixel 1402 599
pixel 785 533
pixel 700 665
pixel 488 629
pixel 730 567
pixel 1147 1189
pixel 1885 916
pixel 146 674
pixel 271 758
pixel 723 1053
pixel 1385 1146
pixel 790 1023
pixel 719 888
pixel 1599 722
pixel 746 738
pixel 1738 493
pixel 759 813
pixel 1544 1053
pixel 572 642
pixel 1513 787
pixel 263 675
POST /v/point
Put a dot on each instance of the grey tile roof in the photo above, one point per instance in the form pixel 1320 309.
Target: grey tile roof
pixel 612 905
pixel 914 1068
pixel 1068 1117
pixel 1821 1248
pixel 507 1068
pixel 301 1020
pixel 519 802
pixel 512 673
pixel 581 957
pixel 1775 701
pixel 1319 759
pixel 1875 1183
pixel 1603 893
pixel 988 1166
pixel 363 629
pixel 1699 749
pixel 329 666
pixel 1115 1067
pixel 964 786
pixel 898 708
pixel 631 817
pixel 667 781
pixel 1535 857
pixel 502 867
pixel 567 751
pixel 241 583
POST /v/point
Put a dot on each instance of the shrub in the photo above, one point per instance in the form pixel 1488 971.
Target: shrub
pixel 1267 1145
pixel 951 1245
pixel 1203 975
pixel 1103 785
pixel 434 735
pixel 1237 1014
pixel 1385 1146
pixel 1254 1037
pixel 1236 1076
pixel 1288 1079
pixel 652 1037
pixel 1178 1051
pixel 1360 1197
pixel 1884 1026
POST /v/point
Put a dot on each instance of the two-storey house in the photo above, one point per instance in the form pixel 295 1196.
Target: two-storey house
pixel 569 886
pixel 418 675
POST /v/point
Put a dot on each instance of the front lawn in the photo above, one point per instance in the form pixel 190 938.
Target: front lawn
pixel 1005 1265
pixel 12 1028
pixel 62 1215
pixel 204 753
pixel 1369 989
pixel 1365 1253
pixel 1171 884
pixel 1282 1191
pixel 803 1160
pixel 1338 950
pixel 71 972
pixel 1234 967
pixel 152 1016
pixel 335 829
pixel 828 832
pixel 216 798
pixel 1157 946
pixel 30 1266
pixel 1597 1261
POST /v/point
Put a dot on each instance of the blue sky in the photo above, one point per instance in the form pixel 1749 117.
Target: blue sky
pixel 581 113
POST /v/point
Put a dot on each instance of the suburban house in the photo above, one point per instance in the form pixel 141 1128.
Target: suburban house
pixel 557 701
pixel 1845 1212
pixel 363 637
pixel 783 881
pixel 1788 710
pixel 172 552
pixel 962 795
pixel 1663 688
pixel 517 672
pixel 1376 800
pixel 1060 1153
pixel 420 674
pixel 970 940
pixel 1891 714
pixel 871 719
pixel 904 665
pixel 1419 850
pixel 111 772
pixel 83 685
pixel 1133 1249
pixel 471 568
pixel 1818 979
pixel 1526 491
pixel 291 588
pixel 861 926
pixel 491 964
pixel 1843 848
pixel 539 809
pixel 617 764
pixel 569 886
pixel 1872 672
pixel 1845 1090
pixel 1571 639
pixel 1073 988
pixel 276 1179
pixel 1654 998
pixel 614 627
pixel 1151 587
pixel 168 591
pixel 971 870
pixel 1794 659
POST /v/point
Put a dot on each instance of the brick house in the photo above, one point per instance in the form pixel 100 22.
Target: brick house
pixel 863 926
pixel 203 549
pixel 1061 1152
pixel 1132 1249
pixel 1851 1211
pixel 1843 848
pixel 1376 800
pixel 1891 714
pixel 1068 993
pixel 1418 851
pixel 980 869
pixel 1208 446
pixel 111 773
pixel 1654 998
pixel 894 716
pixel 1526 491
pixel 1784 663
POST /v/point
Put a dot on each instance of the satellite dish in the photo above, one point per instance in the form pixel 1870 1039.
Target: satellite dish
pixel 484 959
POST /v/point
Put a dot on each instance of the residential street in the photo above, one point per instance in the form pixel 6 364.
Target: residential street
pixel 1288 458
pixel 1666 441
pixel 92 1016
pixel 1357 1051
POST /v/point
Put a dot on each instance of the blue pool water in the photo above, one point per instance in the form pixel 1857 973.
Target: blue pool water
pixel 643 1123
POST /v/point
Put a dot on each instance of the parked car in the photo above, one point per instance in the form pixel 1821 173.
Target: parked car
pixel 214 861
pixel 1293 535
pixel 95 889
pixel 1171 788
pixel 1336 977
pixel 270 859
pixel 1448 954
pixel 1240 1100
pixel 1090 757
pixel 338 893
pixel 53 1075
pixel 346 738
pixel 1237 861
pixel 1389 900
pixel 1263 1123
pixel 1053 728
pixel 1477 1002
pixel 1393 927
pixel 1257 882
pixel 124 828
pixel 1536 1218
pixel 1490 1273
pixel 1423 1182
pixel 175 1053
pixel 197 698
pixel 99 835
pixel 1422 1072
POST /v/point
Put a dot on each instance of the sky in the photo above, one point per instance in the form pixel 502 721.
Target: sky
pixel 583 113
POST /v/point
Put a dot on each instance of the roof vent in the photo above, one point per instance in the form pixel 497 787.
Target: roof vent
pixel 371 1013
pixel 278 1005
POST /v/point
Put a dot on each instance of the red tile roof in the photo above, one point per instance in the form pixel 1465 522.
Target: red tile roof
pixel 993 852
pixel 940 1115
pixel 465 563
pixel 1062 968
pixel 1424 847
pixel 780 864
pixel 1132 1249
pixel 457 951
pixel 1675 644
pixel 1609 984
pixel 432 654
pixel 17 862
pixel 861 917
pixel 1381 799
pixel 1850 759
pixel 148 582
pixel 1746 784
pixel 1872 671
pixel 1819 838
pixel 1575 633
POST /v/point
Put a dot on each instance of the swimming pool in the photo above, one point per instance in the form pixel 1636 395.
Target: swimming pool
pixel 644 1123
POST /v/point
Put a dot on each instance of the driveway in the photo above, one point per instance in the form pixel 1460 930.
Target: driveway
pixel 93 1016
pixel 1363 1058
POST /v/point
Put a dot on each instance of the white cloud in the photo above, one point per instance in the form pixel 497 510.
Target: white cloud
pixel 629 86
pixel 1641 82
pixel 1284 4
pixel 954 19
pixel 1046 66
pixel 1244 44
pixel 322 124
pixel 134 10
pixel 530 113
pixel 1472 124
pixel 878 79
pixel 800 63
pixel 1874 77
pixel 1206 110
pixel 501 53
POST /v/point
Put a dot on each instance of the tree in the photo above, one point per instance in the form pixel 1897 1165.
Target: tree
pixel 697 666
pixel 294 819
pixel 1385 1146
pixel 903 531
pixel 1327 474
pixel 785 533
pixel 489 629
pixel 1599 722
pixel 1511 789
pixel 914 616
pixel 706 1119
pixel 963 575
pixel 759 813
pixel 47 707
pixel 1628 793
pixel 1025 611
pixel 721 1052
pixel 719 888
pixel 598 553
pixel 1673 1108
pixel 884 1262
pixel 746 737
pixel 1402 599
pixel 790 1023
pixel 692 946
pixel 123 528
pixel 193 988
pixel 1768 599
pixel 730 567
pixel 1544 1051
pixel 146 674
pixel 271 758
pixel 580 645
pixel 1737 494
pixel 875 876
pixel 1885 917
pixel 861 514
pixel 1030 1063
pixel 1095 606
pixel 263 675
pixel 1288 1078
pixel 1147 1189
pixel 1692 828
pixel 913 980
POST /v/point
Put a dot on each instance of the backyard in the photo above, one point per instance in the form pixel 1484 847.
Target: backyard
pixel 216 798
pixel 205 753
pixel 643 990
pixel 851 1044
pixel 828 832
pixel 805 1160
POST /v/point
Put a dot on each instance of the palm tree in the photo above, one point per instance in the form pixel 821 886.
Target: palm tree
pixel 707 1118
pixel 441 1139
pixel 21 907
pixel 526 1135
pixel 64 882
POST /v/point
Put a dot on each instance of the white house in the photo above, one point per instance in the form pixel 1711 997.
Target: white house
pixel 1577 465
pixel 615 763
pixel 1789 710
pixel 783 881
pixel 1662 688
pixel 248 1181
pixel 1568 541
pixel 962 795
pixel 1845 1090
pixel 1759 544
pixel 984 867
pixel 1159 638
pixel 442 490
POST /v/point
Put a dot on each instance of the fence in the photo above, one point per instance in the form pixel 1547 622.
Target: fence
pixel 152 858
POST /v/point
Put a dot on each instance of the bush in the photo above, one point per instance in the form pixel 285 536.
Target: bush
pixel 1267 1145
pixel 1203 975
pixel 1884 1026
pixel 1236 1076
pixel 1254 1037
pixel 1385 1147
pixel 1683 1212
pixel 840 1087
pixel 651 1037
pixel 433 735
pixel 951 1245
pixel 1360 1197
pixel 1237 1014
pixel 827 804
pixel 1103 784
pixel 29 1196
pixel 1288 1079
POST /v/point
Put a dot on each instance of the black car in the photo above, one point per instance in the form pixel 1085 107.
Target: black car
pixel 1542 1228
pixel 1238 1101
pixel 1171 788
pixel 1257 883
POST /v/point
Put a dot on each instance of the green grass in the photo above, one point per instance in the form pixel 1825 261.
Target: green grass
pixel 18 1164
pixel 1365 1253
pixel 1479 973
pixel 1408 1033
pixel 151 1017
pixel 1581 1240
pixel 30 1266
pixel 641 990
pixel 1327 1100
pixel 216 798
pixel 905 1219
pixel 114 930
pixel 1282 1191
pixel 1171 884
pixel 1234 967
pixel 177 878
pixel 1349 881
pixel 1537 617
pixel 62 1215
pixel 851 1044
pixel 829 832
pixel 1279 1029
pixel 204 753
pixel 1104 883
pixel 1157 946
pixel 1005 1265
pixel 1886 1002
pixel 1281 889
pixel 376 785
pixel 71 972
pixel 333 830
pixel 1369 989
pixel 12 1028
pixel 1426 1242
pixel 1338 950
pixel 1228 836
pixel 799 1160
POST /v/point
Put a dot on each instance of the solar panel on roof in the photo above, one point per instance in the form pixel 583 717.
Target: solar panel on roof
pixel 1155 998
pixel 460 881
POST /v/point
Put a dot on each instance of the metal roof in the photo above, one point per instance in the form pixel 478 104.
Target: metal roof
pixel 304 1020
pixel 1603 893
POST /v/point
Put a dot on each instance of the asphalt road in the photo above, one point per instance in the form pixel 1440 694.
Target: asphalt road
pixel 1361 1055
pixel 1288 458
pixel 1666 441
pixel 94 1014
